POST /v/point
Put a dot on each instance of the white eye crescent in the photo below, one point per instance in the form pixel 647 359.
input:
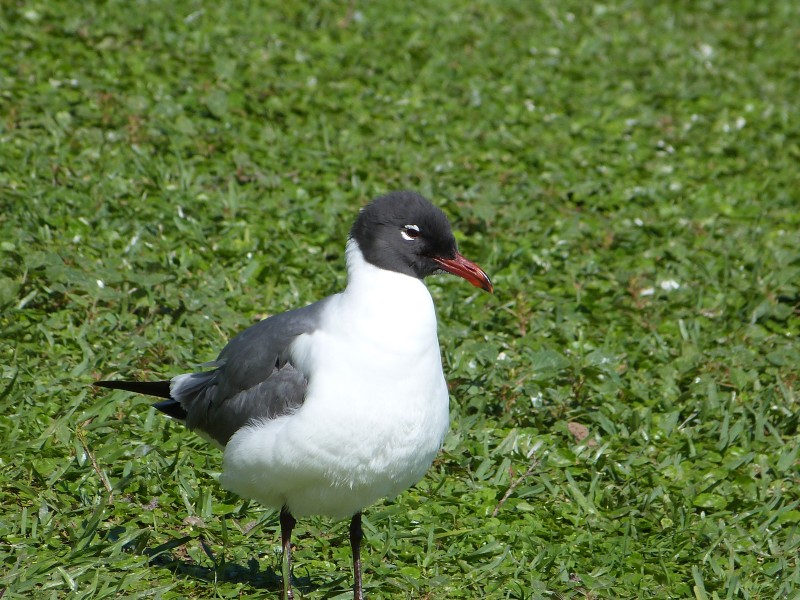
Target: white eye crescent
pixel 410 232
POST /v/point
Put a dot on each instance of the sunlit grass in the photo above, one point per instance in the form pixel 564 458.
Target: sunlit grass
pixel 624 408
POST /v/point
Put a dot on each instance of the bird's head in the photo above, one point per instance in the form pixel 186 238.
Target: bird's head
pixel 404 232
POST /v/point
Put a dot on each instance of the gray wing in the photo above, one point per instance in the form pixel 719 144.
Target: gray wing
pixel 253 379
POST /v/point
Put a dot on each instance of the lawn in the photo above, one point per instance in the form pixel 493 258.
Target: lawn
pixel 624 408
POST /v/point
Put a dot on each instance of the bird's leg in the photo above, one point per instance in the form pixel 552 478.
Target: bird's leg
pixel 287 523
pixel 356 533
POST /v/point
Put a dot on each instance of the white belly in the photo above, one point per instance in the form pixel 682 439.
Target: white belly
pixel 317 462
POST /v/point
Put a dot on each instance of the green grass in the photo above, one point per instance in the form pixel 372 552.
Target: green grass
pixel 160 160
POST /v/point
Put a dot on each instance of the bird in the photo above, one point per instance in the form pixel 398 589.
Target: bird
pixel 325 409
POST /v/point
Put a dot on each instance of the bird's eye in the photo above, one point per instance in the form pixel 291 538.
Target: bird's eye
pixel 410 232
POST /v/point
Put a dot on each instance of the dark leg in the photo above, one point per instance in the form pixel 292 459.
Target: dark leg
pixel 355 545
pixel 287 523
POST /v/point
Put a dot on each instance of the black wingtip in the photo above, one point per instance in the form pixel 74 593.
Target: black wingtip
pixel 171 408
pixel 160 389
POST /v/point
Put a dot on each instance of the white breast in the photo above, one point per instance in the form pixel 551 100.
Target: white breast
pixel 376 410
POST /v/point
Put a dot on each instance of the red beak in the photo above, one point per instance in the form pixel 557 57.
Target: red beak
pixel 466 269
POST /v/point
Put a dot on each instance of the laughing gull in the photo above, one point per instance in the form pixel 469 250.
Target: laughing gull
pixel 326 409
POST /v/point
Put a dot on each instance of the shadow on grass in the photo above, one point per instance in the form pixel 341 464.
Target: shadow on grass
pixel 250 574
pixel 162 556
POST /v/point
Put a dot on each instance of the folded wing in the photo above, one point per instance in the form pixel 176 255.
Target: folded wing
pixel 253 378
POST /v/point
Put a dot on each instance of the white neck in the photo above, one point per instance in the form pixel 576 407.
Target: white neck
pixel 385 298
pixel 363 276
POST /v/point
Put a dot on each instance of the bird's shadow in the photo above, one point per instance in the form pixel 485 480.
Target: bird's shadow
pixel 231 572
pixel 165 556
